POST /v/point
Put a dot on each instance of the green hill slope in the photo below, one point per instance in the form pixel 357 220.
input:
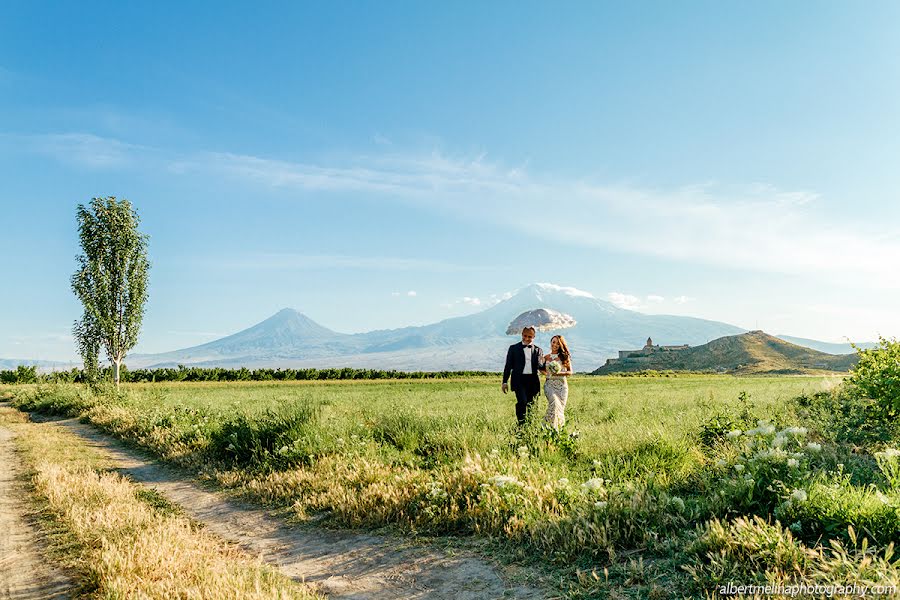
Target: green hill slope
pixel 751 352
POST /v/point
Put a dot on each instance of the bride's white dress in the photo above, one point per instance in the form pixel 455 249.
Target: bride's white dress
pixel 556 389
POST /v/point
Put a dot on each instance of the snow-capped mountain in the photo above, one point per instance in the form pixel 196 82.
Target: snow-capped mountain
pixel 477 341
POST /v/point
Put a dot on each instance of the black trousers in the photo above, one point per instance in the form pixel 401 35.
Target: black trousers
pixel 527 389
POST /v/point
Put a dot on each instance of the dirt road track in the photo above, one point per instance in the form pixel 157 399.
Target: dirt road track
pixel 24 572
pixel 343 565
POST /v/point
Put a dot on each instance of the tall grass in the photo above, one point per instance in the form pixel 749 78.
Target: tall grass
pixel 641 462
pixel 122 540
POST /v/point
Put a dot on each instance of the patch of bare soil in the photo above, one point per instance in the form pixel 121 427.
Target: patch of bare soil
pixel 339 564
pixel 24 572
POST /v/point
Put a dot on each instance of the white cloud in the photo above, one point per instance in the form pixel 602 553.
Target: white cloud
pixel 471 301
pixel 683 299
pixel 624 300
pixel 411 293
pixel 79 149
pixel 753 227
pixel 655 298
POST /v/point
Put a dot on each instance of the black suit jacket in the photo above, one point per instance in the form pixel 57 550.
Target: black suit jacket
pixel 515 362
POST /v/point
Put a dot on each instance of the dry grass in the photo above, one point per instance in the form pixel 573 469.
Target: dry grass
pixel 123 542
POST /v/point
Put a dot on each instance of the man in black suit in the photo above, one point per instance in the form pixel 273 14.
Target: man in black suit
pixel 522 360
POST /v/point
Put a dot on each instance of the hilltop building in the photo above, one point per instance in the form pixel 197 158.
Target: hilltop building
pixel 650 350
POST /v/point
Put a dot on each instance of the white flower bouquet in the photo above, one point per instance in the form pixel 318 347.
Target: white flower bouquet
pixel 554 367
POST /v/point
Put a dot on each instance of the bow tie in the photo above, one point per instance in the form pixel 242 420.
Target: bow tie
pixel 528 346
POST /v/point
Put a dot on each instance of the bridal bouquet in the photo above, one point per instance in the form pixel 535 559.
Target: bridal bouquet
pixel 554 367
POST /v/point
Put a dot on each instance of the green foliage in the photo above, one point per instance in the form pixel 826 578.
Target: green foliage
pixel 715 429
pixel 845 417
pixel 877 375
pixel 111 281
pixel 195 374
pixel 279 438
pixel 21 374
pixel 756 551
pixel 446 457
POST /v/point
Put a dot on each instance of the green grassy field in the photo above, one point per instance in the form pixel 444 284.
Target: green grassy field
pixel 644 491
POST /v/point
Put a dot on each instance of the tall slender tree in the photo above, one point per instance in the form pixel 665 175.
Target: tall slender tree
pixel 111 281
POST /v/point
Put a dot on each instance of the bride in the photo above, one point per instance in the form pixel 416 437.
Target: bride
pixel 557 366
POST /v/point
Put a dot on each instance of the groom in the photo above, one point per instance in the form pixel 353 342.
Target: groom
pixel 522 361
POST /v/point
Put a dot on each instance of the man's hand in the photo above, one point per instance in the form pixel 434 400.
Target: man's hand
pixel 504 387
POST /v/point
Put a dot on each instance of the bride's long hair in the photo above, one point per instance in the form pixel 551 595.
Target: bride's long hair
pixel 564 355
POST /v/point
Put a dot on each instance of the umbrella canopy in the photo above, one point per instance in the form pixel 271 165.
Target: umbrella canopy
pixel 542 319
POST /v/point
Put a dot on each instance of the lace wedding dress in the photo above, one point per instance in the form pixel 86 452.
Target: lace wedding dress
pixel 556 388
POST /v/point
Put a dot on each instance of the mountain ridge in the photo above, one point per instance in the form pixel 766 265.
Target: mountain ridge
pixel 753 352
pixel 290 339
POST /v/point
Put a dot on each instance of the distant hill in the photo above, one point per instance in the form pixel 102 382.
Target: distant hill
pixel 829 347
pixel 42 365
pixel 751 352
pixel 478 341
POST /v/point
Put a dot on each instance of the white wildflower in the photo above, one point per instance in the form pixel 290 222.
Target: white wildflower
pixel 793 431
pixel 592 485
pixel 503 481
pixel 600 504
pixel 813 447
pixel 739 467
pixel 793 462
pixel 523 451
pixel 734 433
pixel 778 441
pixel 799 495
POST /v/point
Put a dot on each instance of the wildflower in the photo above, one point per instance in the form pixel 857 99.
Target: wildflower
pixel 734 433
pixel 778 441
pixel 739 468
pixel 600 504
pixel 502 481
pixel 793 462
pixel 523 451
pixel 813 447
pixel 799 495
pixel 793 431
pixel 592 485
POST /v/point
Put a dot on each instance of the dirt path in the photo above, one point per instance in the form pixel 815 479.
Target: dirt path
pixel 339 564
pixel 24 574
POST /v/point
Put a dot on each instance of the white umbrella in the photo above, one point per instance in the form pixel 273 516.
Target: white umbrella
pixel 542 319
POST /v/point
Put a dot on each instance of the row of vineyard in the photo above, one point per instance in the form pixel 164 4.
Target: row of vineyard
pixel 30 374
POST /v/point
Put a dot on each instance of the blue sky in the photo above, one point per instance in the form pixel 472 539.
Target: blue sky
pixel 734 161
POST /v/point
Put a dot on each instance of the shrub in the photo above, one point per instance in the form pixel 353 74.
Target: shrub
pixel 279 438
pixel 877 375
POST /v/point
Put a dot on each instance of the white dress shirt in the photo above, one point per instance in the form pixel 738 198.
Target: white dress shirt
pixel 527 370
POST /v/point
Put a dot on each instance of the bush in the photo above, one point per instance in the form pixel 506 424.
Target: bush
pixel 279 438
pixel 877 375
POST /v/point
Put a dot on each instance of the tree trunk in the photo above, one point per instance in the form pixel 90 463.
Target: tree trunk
pixel 117 363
